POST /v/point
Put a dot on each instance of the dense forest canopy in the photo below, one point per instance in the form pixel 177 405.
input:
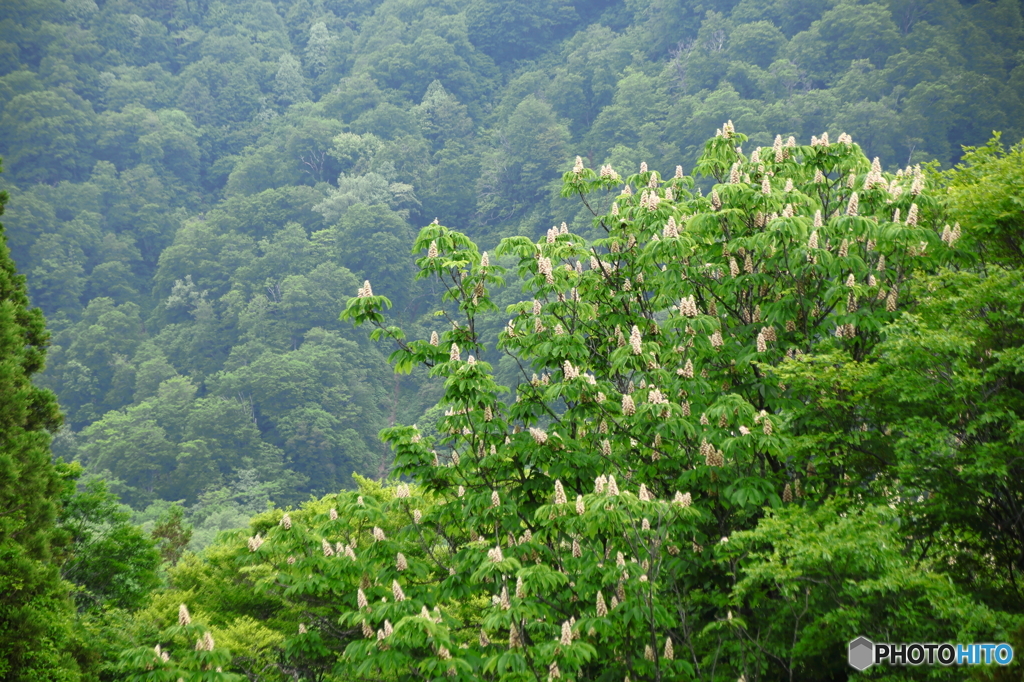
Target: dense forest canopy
pixel 197 187
pixel 196 190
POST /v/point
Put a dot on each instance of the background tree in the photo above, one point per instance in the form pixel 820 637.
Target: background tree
pixel 112 562
pixel 510 31
pixel 172 534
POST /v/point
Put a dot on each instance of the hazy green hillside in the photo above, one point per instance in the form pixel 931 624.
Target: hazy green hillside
pixel 197 187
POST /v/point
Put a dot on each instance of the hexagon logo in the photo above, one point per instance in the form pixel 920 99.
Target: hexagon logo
pixel 862 653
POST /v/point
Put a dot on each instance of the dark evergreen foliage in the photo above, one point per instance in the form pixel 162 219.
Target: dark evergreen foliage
pixel 35 611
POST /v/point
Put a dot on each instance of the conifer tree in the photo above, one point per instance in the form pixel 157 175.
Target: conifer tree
pixel 34 606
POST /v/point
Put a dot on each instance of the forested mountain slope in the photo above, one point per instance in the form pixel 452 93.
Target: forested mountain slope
pixel 198 187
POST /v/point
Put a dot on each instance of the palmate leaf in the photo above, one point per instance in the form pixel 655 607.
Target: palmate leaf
pixel 180 655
